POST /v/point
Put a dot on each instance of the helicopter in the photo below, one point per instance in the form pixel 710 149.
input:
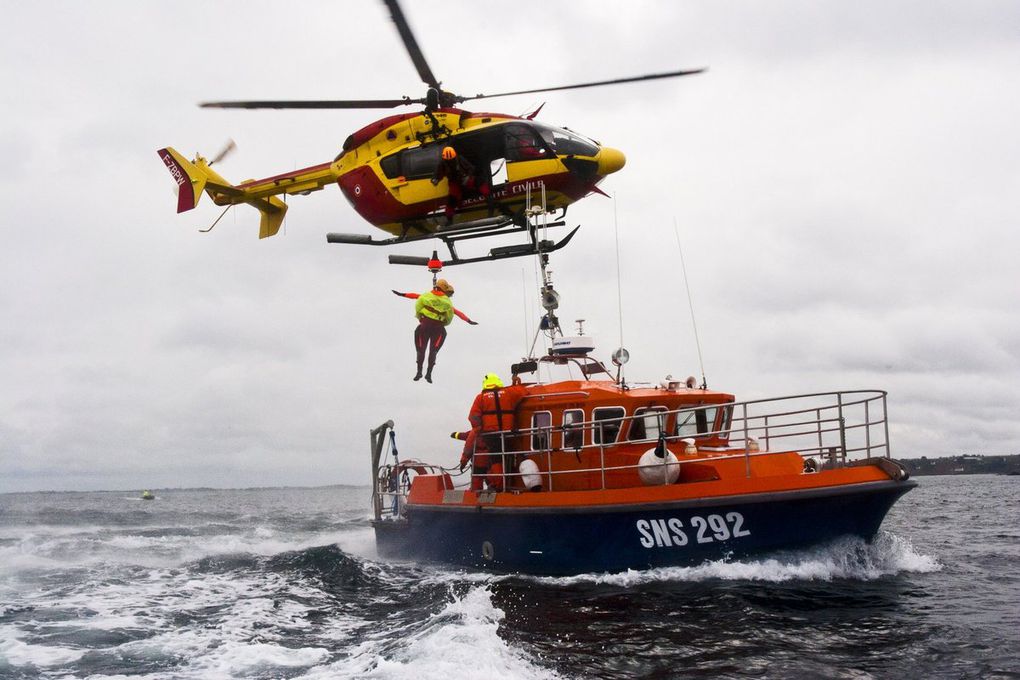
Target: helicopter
pixel 390 170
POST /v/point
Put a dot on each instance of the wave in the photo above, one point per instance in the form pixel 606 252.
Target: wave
pixel 460 640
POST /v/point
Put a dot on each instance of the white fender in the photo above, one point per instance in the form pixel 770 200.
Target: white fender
pixel 530 475
pixel 658 471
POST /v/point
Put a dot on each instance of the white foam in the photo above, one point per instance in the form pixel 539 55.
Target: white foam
pixel 847 558
pixel 14 652
pixel 463 636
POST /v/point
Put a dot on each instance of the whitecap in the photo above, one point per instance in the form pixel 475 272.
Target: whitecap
pixel 464 635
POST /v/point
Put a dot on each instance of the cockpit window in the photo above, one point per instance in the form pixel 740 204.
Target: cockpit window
pixel 567 143
pixel 523 144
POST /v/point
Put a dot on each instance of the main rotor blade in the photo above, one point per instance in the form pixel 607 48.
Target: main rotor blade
pixel 411 44
pixel 651 76
pixel 314 104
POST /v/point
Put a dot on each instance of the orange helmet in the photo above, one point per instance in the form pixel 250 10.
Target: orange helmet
pixel 449 153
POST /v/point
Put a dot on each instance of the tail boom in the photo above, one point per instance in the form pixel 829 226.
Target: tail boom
pixel 195 177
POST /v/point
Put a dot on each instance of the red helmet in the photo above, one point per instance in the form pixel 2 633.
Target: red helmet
pixel 449 153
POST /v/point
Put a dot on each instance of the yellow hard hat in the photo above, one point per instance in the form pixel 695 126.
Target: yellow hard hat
pixel 449 153
pixel 490 381
pixel 444 285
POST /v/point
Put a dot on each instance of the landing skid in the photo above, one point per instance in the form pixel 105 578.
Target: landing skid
pixel 452 235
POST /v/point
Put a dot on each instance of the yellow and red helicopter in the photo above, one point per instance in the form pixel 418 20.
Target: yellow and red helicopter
pixel 388 170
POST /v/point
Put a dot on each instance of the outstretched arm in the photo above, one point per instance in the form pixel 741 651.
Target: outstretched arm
pixel 410 296
pixel 464 316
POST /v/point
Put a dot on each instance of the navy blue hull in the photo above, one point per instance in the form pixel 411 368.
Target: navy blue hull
pixel 564 541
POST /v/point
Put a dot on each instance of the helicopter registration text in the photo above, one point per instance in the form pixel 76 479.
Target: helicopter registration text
pixel 665 533
pixel 174 169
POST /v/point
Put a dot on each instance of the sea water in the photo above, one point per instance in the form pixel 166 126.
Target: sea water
pixel 285 583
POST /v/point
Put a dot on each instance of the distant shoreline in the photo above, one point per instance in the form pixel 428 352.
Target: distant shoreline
pixel 966 464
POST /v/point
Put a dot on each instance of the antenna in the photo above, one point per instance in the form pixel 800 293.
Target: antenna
pixel 620 353
pixel 690 304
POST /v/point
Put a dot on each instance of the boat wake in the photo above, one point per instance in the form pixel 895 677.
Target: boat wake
pixel 845 558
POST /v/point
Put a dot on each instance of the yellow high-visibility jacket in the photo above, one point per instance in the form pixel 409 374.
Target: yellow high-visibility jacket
pixel 434 305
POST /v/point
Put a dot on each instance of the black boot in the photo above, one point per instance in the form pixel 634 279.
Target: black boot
pixel 428 375
pixel 417 376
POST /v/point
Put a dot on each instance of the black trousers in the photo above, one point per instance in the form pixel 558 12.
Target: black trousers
pixel 429 335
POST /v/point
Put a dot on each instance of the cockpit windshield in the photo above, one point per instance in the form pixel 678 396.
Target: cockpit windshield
pixel 565 142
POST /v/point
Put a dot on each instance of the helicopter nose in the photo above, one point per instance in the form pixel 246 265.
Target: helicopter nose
pixel 610 160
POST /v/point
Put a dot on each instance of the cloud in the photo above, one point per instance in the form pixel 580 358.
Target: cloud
pixel 844 181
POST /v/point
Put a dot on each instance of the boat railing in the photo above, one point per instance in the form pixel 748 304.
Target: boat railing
pixel 391 482
pixel 836 427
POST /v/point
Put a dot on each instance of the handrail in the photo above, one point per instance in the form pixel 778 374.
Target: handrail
pixel 832 424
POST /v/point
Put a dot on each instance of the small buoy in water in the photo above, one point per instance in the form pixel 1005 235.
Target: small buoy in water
pixel 147 495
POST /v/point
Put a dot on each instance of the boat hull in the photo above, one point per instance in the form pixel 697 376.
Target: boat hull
pixel 572 540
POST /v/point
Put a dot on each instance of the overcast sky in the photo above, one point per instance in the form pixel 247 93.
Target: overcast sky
pixel 845 178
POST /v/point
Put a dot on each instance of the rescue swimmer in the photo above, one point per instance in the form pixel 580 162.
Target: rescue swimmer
pixel 434 312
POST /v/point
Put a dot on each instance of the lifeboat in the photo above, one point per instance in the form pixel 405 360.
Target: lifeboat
pixel 598 475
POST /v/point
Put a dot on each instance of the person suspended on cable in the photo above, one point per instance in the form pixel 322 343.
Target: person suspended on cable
pixel 434 312
pixel 456 312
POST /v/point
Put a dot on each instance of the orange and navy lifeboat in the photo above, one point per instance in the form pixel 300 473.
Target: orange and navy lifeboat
pixel 599 475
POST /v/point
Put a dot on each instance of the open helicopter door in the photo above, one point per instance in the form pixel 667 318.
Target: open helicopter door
pixel 497 168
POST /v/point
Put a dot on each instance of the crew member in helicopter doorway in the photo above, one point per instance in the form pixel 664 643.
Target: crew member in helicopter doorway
pixel 462 177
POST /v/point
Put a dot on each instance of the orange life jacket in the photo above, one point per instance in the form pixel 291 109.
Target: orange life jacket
pixel 493 409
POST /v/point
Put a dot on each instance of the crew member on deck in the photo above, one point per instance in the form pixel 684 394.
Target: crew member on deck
pixel 434 312
pixel 493 411
pixel 477 456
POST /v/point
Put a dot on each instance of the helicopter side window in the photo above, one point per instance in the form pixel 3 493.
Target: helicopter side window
pixel 646 423
pixel 607 424
pixel 522 144
pixel 420 163
pixel 391 166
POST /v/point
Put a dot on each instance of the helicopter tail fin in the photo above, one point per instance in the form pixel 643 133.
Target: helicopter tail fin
pixel 194 177
pixel 190 177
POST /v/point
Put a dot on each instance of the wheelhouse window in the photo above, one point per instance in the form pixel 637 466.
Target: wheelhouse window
pixel 608 421
pixel 695 422
pixel 727 420
pixel 541 425
pixel 647 423
pixel 573 430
